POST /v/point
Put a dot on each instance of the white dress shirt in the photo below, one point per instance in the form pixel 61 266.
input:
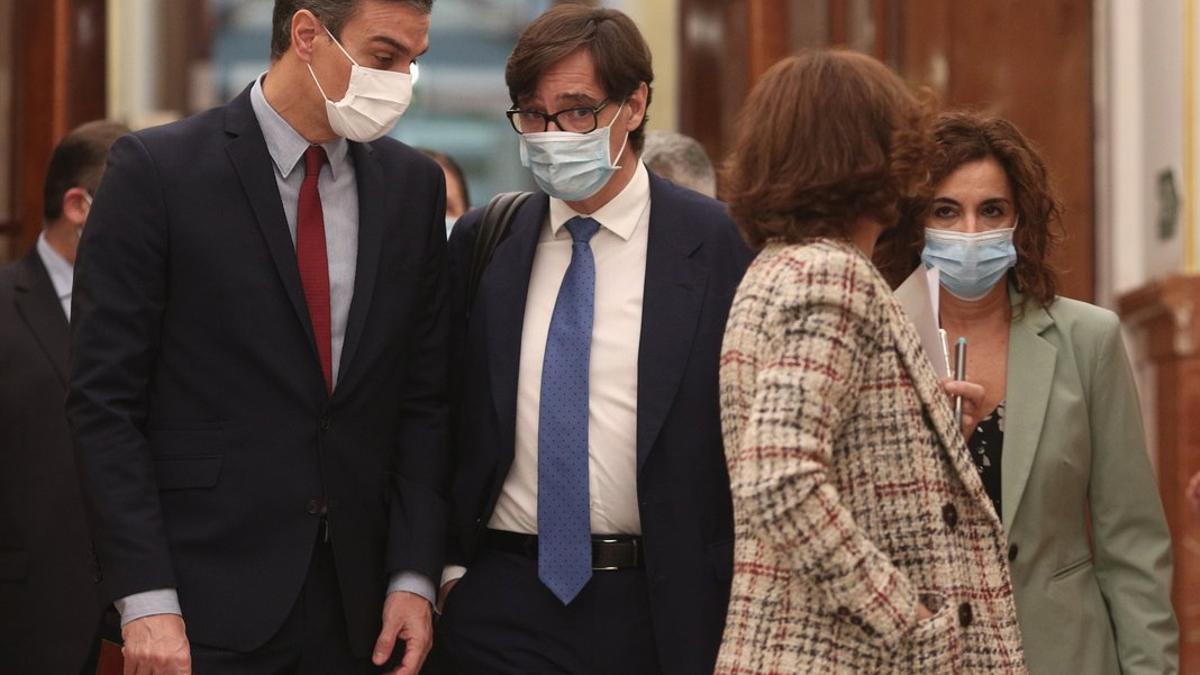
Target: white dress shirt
pixel 62 273
pixel 619 249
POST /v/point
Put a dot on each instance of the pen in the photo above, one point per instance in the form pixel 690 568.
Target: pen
pixel 960 374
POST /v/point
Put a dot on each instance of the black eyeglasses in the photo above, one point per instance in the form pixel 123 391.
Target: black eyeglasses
pixel 578 120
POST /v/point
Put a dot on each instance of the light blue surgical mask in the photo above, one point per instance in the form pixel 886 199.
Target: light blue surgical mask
pixel 969 265
pixel 569 165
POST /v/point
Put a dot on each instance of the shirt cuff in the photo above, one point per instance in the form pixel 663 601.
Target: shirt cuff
pixel 453 573
pixel 415 583
pixel 148 603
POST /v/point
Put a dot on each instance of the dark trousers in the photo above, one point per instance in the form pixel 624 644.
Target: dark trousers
pixel 501 619
pixel 312 640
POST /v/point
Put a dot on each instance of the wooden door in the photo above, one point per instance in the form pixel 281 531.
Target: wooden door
pixel 1028 60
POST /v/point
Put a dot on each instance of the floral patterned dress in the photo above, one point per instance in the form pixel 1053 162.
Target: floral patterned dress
pixel 986 444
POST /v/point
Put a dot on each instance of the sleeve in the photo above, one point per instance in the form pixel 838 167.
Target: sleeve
pixel 119 296
pixel 1132 545
pixel 459 256
pixel 417 519
pixel 806 384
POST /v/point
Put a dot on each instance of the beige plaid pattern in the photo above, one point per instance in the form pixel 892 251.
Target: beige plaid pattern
pixel 854 496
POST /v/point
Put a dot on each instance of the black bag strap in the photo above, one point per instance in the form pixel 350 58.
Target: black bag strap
pixel 493 226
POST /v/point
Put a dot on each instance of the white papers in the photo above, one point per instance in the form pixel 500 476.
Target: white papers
pixel 919 297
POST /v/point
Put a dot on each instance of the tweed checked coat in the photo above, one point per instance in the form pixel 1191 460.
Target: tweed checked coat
pixel 854 496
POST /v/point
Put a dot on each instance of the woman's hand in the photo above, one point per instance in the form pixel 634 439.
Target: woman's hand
pixel 972 395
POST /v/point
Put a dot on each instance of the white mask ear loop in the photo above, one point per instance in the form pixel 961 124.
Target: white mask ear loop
pixel 314 75
pixel 339 45
pixel 623 143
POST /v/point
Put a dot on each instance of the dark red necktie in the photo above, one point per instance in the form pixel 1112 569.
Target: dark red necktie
pixel 313 259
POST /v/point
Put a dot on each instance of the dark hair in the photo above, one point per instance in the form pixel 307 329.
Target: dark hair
pixel 964 137
pixel 825 137
pixel 333 14
pixel 78 161
pixel 621 55
pixel 447 162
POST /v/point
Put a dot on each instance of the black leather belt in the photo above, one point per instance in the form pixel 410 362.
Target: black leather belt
pixel 609 552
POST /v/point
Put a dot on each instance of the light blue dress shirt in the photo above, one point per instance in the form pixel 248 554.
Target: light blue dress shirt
pixel 339 206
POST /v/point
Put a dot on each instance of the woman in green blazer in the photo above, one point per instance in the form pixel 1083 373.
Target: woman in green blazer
pixel 1061 453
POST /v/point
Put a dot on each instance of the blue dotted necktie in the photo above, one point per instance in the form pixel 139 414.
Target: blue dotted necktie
pixel 564 514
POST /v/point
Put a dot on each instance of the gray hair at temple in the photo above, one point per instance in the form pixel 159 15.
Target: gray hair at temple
pixel 681 160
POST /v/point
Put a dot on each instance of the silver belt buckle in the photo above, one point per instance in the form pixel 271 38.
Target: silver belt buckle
pixel 605 541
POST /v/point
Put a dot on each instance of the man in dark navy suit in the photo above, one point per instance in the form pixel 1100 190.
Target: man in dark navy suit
pixel 50 622
pixel 591 518
pixel 258 387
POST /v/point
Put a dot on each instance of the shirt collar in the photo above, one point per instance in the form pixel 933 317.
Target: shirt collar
pixel 285 144
pixel 620 215
pixel 62 274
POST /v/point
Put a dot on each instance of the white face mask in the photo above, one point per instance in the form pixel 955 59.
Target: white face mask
pixel 374 101
pixel 569 165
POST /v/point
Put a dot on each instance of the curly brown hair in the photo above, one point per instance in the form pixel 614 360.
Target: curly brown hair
pixel 826 137
pixel 964 137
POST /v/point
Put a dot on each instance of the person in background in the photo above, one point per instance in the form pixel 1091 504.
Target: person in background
pixel 865 540
pixel 51 617
pixel 458 197
pixel 1060 446
pixel 591 522
pixel 680 159
pixel 258 378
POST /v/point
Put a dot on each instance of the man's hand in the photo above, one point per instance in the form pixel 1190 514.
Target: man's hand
pixel 446 588
pixel 408 617
pixel 972 395
pixel 156 645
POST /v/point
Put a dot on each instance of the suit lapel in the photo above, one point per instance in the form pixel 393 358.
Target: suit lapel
pixel 930 393
pixel 501 295
pixel 371 196
pixel 38 304
pixel 675 282
pixel 248 152
pixel 1031 361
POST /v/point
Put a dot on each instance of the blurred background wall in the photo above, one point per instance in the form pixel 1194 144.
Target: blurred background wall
pixel 1107 88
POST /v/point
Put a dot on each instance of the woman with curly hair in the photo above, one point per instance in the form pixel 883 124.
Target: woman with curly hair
pixel 1060 449
pixel 865 542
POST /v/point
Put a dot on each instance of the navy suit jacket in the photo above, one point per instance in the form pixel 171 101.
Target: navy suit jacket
pixel 51 609
pixel 202 423
pixel 694 261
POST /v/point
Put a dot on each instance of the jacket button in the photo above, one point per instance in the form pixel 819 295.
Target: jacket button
pixel 869 629
pixel 1012 552
pixel 965 614
pixel 843 612
pixel 314 507
pixel 950 515
pixel 324 423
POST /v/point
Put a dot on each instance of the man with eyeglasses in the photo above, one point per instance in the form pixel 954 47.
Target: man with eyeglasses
pixel 591 518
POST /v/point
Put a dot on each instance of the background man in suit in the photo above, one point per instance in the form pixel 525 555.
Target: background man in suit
pixel 51 615
pixel 258 379
pixel 590 498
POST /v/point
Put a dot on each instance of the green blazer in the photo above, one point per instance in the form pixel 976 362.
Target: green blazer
pixel 1074 456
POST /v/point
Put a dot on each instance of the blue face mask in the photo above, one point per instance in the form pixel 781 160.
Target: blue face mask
pixel 969 264
pixel 568 165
